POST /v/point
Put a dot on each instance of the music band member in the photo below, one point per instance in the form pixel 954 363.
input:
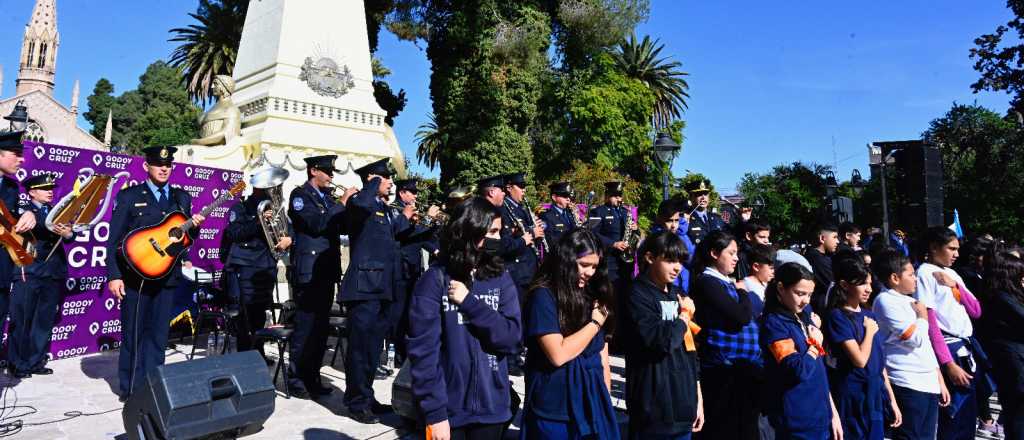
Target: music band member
pixel 413 241
pixel 11 159
pixel 558 220
pixel 145 304
pixel 369 284
pixel 250 268
pixel 519 240
pixel 702 221
pixel 318 221
pixel 610 222
pixel 492 189
pixel 36 291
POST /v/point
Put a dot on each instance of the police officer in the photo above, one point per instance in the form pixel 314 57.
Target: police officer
pixel 36 291
pixel 413 241
pixel 370 284
pixel 250 268
pixel 11 159
pixel 318 222
pixel 703 221
pixel 492 189
pixel 145 306
pixel 609 222
pixel 558 220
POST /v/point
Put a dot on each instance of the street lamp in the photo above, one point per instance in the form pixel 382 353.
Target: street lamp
pixel 857 182
pixel 831 185
pixel 665 149
pixel 876 158
pixel 19 117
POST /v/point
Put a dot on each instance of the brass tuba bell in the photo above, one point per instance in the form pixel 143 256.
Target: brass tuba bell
pixel 275 227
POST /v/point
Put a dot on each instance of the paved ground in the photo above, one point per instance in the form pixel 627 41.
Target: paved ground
pixel 46 405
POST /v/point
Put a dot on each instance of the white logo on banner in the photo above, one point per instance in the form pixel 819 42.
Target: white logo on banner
pixel 39 151
pixel 70 284
pixel 202 253
pixel 224 176
pixel 97 159
pixel 21 174
pixel 216 193
pixel 188 171
pixel 109 303
pixel 94 327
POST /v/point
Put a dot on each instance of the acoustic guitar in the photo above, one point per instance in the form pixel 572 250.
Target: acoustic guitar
pixel 21 248
pixel 152 251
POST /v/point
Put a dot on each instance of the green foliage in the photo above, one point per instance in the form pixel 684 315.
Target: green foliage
pixel 1000 65
pixel 680 191
pixel 794 197
pixel 158 112
pixel 429 143
pixel 388 100
pixel 100 103
pixel 591 177
pixel 639 60
pixel 209 47
pixel 585 28
pixel 983 161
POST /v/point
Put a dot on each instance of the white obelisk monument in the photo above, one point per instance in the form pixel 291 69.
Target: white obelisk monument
pixel 303 84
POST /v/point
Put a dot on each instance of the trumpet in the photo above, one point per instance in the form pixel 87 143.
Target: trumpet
pixel 340 191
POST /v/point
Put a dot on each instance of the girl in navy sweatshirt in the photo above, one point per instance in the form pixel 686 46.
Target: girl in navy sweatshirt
pixel 567 315
pixel 663 395
pixel 857 376
pixel 798 403
pixel 464 324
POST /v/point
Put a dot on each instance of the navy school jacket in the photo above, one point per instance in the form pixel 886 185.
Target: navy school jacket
pixel 796 394
pixel 458 352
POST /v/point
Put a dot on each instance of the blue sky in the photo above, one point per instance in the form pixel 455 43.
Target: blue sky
pixel 770 82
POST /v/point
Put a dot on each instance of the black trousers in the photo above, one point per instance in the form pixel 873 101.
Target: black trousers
pixel 145 324
pixel 309 340
pixel 479 432
pixel 731 403
pixel 399 317
pixel 252 288
pixel 33 311
pixel 367 325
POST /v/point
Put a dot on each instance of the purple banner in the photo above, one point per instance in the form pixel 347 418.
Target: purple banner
pixel 89 319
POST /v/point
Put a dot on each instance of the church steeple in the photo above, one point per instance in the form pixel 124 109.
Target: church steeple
pixel 38 64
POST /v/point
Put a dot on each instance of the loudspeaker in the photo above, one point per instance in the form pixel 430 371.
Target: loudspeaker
pixel 225 396
pixel 918 202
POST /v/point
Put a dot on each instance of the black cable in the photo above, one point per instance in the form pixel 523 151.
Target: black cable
pixel 11 423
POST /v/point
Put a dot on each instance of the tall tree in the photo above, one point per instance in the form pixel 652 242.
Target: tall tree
pixel 794 198
pixel 983 164
pixel 209 47
pixel 640 60
pixel 100 102
pixel 999 57
pixel 429 143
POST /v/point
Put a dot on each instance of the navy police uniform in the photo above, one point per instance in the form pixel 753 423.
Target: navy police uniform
pixel 250 269
pixel 318 222
pixel 369 285
pixel 146 307
pixel 36 292
pixel 703 222
pixel 413 241
pixel 520 259
pixel 9 196
pixel 609 223
pixel 557 221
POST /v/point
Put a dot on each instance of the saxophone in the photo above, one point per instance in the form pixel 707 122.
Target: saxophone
pixel 631 235
pixel 520 225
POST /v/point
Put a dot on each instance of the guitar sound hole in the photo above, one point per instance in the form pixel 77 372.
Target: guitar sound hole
pixel 175 233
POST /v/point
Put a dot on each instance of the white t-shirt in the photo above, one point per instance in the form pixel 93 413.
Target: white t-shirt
pixel 909 357
pixel 753 286
pixel 951 315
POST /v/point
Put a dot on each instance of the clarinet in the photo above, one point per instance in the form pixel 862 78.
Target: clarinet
pixel 519 223
pixel 543 245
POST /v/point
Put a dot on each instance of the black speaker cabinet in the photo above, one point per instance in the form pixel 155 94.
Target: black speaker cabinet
pixel 225 396
pixel 916 195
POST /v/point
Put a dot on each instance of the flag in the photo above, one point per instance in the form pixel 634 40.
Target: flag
pixel 955 227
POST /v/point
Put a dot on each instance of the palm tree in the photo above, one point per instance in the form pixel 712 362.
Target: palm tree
pixel 209 47
pixel 639 60
pixel 429 143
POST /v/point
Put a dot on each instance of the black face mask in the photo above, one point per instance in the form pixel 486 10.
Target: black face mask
pixel 491 247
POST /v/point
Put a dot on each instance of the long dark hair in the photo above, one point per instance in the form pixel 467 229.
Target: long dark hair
pixel 851 270
pixel 715 242
pixel 470 221
pixel 1003 274
pixel 788 274
pixel 559 273
pixel 936 236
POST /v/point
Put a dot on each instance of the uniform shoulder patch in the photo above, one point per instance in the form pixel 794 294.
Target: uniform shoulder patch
pixel 298 204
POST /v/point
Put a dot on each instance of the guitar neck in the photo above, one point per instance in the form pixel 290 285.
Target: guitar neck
pixel 207 210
